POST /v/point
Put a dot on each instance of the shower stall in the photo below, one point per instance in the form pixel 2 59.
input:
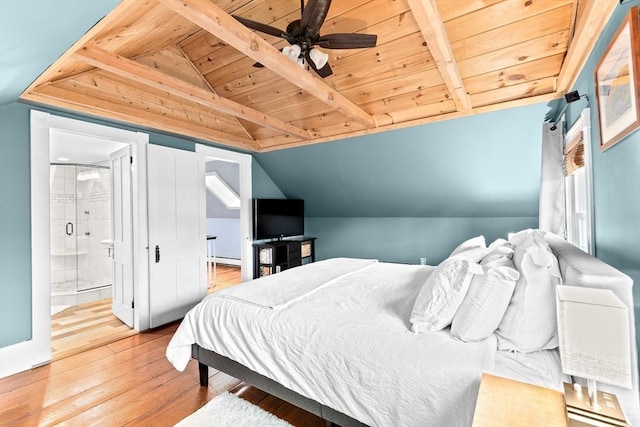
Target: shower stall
pixel 81 268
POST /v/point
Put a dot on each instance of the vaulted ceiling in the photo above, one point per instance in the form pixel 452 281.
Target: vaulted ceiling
pixel 187 66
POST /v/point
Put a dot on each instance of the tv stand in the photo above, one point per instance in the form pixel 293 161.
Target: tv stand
pixel 282 254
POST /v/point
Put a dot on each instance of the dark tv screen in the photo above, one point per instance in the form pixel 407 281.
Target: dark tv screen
pixel 277 218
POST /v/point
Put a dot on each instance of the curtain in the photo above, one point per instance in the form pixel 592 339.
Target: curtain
pixel 574 155
pixel 552 205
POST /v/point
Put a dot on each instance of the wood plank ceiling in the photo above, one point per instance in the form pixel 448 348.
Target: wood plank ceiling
pixel 186 66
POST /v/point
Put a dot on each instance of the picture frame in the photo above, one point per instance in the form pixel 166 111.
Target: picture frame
pixel 617 79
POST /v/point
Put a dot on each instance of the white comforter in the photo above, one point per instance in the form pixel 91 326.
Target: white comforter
pixel 347 345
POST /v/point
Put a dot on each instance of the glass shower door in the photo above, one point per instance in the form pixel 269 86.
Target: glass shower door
pixel 94 227
pixel 64 250
pixel 80 229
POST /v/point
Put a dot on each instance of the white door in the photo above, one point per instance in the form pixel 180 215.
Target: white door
pixel 177 232
pixel 122 235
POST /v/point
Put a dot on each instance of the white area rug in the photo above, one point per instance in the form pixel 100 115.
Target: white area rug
pixel 227 410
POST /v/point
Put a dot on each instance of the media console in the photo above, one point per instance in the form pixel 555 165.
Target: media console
pixel 279 255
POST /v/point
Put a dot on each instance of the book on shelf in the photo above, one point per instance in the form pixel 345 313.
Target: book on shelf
pixel 265 271
pixel 305 249
pixel 265 256
pixel 580 413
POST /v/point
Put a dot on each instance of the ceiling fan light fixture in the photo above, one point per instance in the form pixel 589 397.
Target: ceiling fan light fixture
pixel 292 52
pixel 304 33
pixel 319 58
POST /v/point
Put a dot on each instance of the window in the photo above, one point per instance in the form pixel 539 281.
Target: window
pixel 219 188
pixel 577 181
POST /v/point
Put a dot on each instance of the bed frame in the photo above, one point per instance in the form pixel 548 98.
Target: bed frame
pixel 208 358
pixel 577 268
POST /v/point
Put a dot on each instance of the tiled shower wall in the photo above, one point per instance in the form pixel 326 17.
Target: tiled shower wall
pixel 79 203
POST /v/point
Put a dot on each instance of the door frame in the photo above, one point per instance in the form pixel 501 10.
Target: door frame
pixel 41 124
pixel 244 162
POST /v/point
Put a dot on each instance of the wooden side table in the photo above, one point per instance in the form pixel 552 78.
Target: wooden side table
pixel 506 402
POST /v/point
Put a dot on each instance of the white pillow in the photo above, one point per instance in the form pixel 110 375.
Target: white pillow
pixel 442 294
pixel 498 243
pixel 486 302
pixel 473 249
pixel 516 238
pixel 500 253
pixel 501 246
pixel 498 257
pixel 529 324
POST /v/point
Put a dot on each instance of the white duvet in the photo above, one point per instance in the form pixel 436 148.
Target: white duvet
pixel 348 345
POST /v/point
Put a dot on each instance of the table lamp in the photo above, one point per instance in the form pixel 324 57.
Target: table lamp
pixel 593 333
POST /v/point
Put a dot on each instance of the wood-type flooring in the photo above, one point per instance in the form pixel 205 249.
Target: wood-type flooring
pixel 83 327
pixel 126 382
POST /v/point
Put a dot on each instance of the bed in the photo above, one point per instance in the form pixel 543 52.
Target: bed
pixel 348 339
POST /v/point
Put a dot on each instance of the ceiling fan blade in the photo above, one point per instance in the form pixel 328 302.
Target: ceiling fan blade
pixel 313 16
pixel 263 28
pixel 347 41
pixel 323 72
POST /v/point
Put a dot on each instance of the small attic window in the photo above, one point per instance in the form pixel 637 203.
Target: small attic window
pixel 221 190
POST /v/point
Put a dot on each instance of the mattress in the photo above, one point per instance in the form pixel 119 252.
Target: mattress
pixel 347 344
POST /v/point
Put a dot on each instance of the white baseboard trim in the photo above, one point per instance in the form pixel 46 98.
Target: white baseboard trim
pixel 227 261
pixel 15 358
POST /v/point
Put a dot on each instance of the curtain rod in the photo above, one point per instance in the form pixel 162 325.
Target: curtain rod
pixel 569 97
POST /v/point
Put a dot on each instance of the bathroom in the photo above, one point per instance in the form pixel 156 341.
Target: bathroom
pixel 80 235
pixel 80 220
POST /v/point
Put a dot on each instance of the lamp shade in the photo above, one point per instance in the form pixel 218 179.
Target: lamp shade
pixel 319 58
pixel 593 332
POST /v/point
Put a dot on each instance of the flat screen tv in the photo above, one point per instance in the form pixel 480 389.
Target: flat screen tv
pixel 277 218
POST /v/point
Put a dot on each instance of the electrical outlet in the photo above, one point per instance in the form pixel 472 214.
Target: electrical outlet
pixel 423 261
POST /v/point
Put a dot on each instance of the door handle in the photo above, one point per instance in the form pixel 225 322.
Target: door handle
pixel 69 228
pixel 157 254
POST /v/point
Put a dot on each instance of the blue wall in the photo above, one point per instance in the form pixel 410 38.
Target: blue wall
pixel 405 239
pixel 417 192
pixel 15 225
pixel 34 33
pixel 262 184
pixel 616 176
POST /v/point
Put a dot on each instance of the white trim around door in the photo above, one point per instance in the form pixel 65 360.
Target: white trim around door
pixel 41 125
pixel 246 196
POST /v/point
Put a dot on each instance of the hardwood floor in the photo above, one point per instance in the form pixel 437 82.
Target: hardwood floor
pixel 226 276
pixel 105 374
pixel 90 325
pixel 126 382
pixel 84 327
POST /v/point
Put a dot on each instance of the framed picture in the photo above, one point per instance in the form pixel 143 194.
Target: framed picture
pixel 617 79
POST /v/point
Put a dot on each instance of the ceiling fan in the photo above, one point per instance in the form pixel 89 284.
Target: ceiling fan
pixel 303 34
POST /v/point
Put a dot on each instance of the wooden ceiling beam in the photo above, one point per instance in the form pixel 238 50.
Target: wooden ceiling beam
pixel 432 28
pixel 215 20
pixel 49 94
pixel 108 61
pixel 590 25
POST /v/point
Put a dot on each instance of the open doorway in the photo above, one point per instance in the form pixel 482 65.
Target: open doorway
pixel 45 128
pixel 229 214
pixel 222 181
pixel 81 246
